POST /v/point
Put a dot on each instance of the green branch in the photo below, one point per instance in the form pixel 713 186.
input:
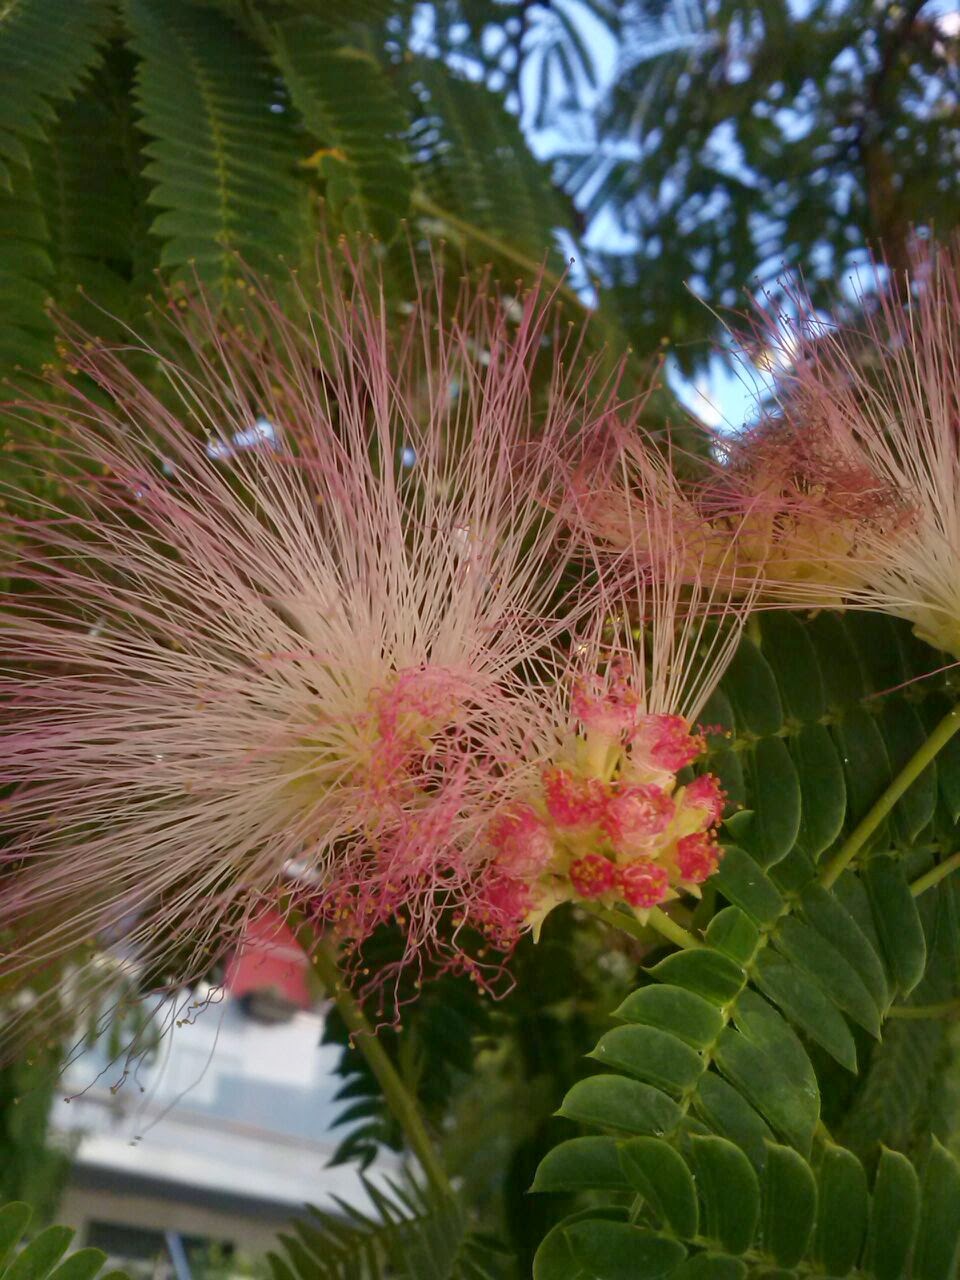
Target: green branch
pixel 945 1009
pixel 402 1104
pixel 935 875
pixel 865 828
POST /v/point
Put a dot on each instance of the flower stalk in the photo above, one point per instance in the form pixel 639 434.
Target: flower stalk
pixel 657 920
pixel 865 828
pixel 402 1104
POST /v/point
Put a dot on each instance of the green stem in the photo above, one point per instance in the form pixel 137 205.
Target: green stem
pixel 935 875
pixel 865 828
pixel 398 1098
pixel 667 927
pixel 657 920
pixel 945 1009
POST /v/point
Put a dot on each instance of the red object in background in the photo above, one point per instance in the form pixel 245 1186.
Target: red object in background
pixel 269 971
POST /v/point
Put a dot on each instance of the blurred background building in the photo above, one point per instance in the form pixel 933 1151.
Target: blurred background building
pixel 218 1139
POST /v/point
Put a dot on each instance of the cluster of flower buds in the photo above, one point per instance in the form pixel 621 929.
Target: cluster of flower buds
pixel 608 822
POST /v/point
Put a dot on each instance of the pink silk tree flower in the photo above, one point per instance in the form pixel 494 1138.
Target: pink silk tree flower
pixel 862 465
pixel 597 807
pixel 256 646
pixel 707 529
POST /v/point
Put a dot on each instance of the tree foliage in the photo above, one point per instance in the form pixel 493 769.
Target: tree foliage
pixel 765 1103
pixel 730 1063
pixel 226 131
pixel 40 1259
pixel 722 141
pixel 739 142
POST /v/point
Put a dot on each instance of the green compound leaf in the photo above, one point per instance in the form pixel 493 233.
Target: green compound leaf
pixel 894 1215
pixel 742 882
pixel 844 1207
pixel 752 689
pixel 808 1007
pixel 661 1176
pixel 728 1114
pixel 729 1192
pixel 813 953
pixel 753 1073
pixel 650 1055
pixel 790 652
pixel 823 790
pixel 760 1023
pixel 789 1221
pixel 582 1163
pixel 223 163
pixel 948 759
pixel 82 1265
pixel 278 1268
pixel 613 1102
pixel 41 1255
pixel 352 112
pixel 897 922
pixel 874 639
pixel 734 935
pixel 789 1199
pixel 711 1266
pixel 938 1239
pixel 843 675
pixel 46 48
pixel 704 972
pixel 555 1260
pixel 14 1219
pixel 410 1231
pixel 903 735
pixel 776 799
pixel 836 925
pixel 823 957
pixel 475 168
pixel 683 1013
pixel 793 873
pixel 851 893
pixel 865 762
pixel 765 1062
pixel 38 1260
pixel 26 275
pixel 620 1251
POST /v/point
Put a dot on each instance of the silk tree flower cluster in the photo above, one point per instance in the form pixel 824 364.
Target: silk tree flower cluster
pixel 847 494
pixel 860 468
pixel 598 812
pixel 296 667
pixel 607 823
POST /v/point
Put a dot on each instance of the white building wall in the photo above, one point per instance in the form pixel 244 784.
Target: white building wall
pixel 225 1133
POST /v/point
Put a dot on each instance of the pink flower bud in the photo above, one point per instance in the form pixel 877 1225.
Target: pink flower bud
pixel 697 857
pixel 667 742
pixel 606 709
pixel 643 883
pixel 593 875
pixel 573 802
pixel 636 813
pixel 705 793
pixel 522 842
